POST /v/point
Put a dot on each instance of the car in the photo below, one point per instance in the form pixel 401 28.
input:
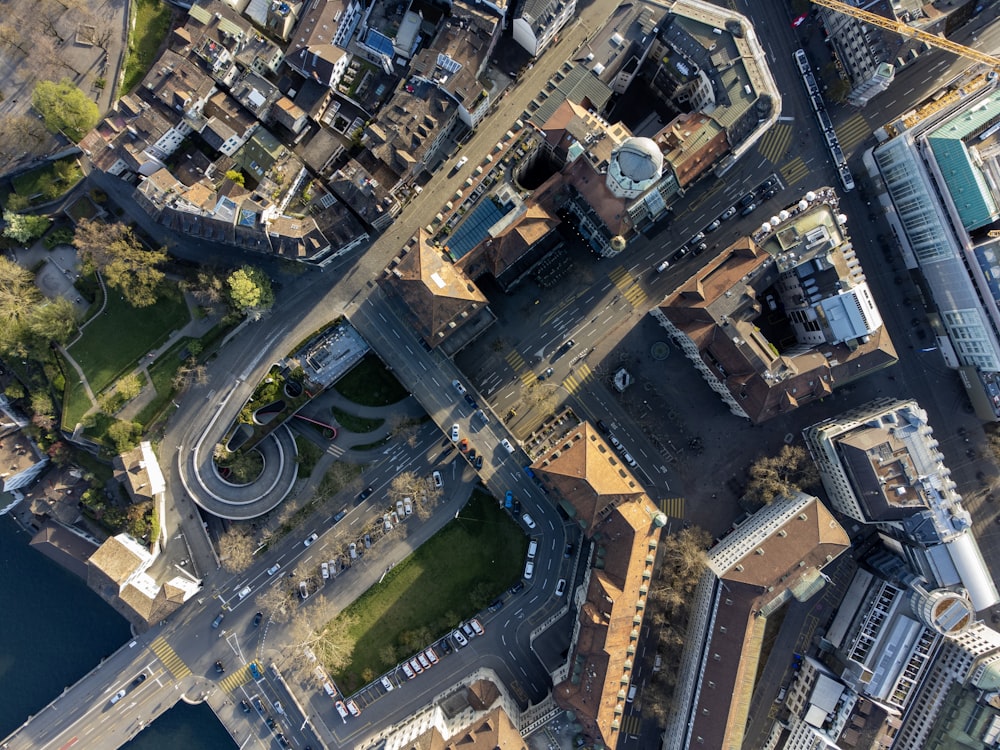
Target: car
pixel 274 569
pixel 700 249
pixel 461 163
pixel 747 199
pixel 748 210
pixel 517 506
pixel 218 620
pixel 546 374
pixel 458 387
pixel 424 661
pixel 469 632
pixel 366 493
pixel 386 683
pixel 630 460
pixel 117 697
pixel 482 415
pixel 368 541
pixel 455 433
pixel 352 550
pixel 415 666
pixel 781 694
pixel 528 521
pixel 517 587
pixel 561 587
pixel 713 226
pixel 329 689
pixel 507 446
pixel 529 570
pixel 431 655
pixel 696 239
pixel 478 462
pixel 615 441
pixel 496 605
pixel 303 590
pixel 310 539
pixel 471 401
pixel 728 213
pixel 399 508
pixel 477 626
pixel 631 693
pixel 772 303
pixel 463 445
pixel 342 710
pixel 245 705
pixel 353 708
pixel 386 522
pixel 460 639
pixel 663 266
pixel 657 663
pixel 257 704
pixel 339 515
pixel 770 182
pixel 244 593
pixel 569 550
pixel 324 569
pixel 508 500
pixel 219 668
pixel 565 346
pixel 255 672
pixel 282 740
pixel 444 645
pixel 408 506
pixel 410 674
pixel 472 456
pixel 603 427
pixel 140 678
pixel 257 618
pixel 438 482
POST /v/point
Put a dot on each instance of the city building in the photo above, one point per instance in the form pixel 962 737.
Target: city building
pixel 365 195
pixel 941 198
pixel 21 462
pixel 616 53
pixel 795 282
pixel 318 47
pixel 440 302
pixel 776 555
pixel 538 21
pixel 590 482
pixel 227 126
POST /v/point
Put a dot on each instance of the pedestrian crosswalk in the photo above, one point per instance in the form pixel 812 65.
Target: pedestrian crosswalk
pixel 628 285
pixel 234 680
pixel 170 659
pixel 335 450
pixel 673 506
pixel 575 380
pixel 794 170
pixel 514 359
pixel 852 132
pixel 630 724
pixel 775 142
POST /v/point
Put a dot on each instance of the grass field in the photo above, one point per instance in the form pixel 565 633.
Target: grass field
pixel 113 343
pixel 370 384
pixel 454 574
pixel 44 183
pixel 150 24
pixel 354 423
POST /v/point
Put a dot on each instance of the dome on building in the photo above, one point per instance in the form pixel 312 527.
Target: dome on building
pixel 618 243
pixel 635 167
pixel 946 611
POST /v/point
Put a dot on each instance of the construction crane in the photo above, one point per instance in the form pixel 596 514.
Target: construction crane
pixel 908 31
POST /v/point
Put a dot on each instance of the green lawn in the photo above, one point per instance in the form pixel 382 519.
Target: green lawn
pixel 75 401
pixel 47 182
pixel 354 423
pixel 454 574
pixel 150 24
pixel 370 384
pixel 114 342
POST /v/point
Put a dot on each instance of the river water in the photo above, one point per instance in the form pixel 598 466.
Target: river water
pixel 53 630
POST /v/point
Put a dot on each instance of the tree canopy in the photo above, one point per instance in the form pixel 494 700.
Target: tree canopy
pixel 28 321
pixel 249 289
pixel 126 264
pixel 64 107
pixel 24 227
pixel 782 475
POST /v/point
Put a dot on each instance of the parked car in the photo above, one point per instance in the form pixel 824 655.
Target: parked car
pixel 508 500
pixel 353 708
pixel 140 678
pixel 273 569
pixel 478 462
pixel 444 645
pixel 368 541
pixel 431 655
pixel 748 210
pixel 696 239
pixel 469 632
pixel 386 523
pixel 517 587
pixel 507 446
pixel 352 550
pixel 460 639
pixel 477 627
pixel 713 226
pixel 458 387
pixel 546 374
pixel 410 674
pixel 408 506
pixel 529 570
pixel 461 163
pixel 219 668
pixel 471 401
pixel 455 433
pixel 517 506
pixel 415 666
pixel 528 521
pixel 324 569
pixel 342 710
pixel 257 618
pixel 424 661
pixel 728 213
pixel 463 445
pixel 399 508
pixel 245 705
pixel 437 479
pixel 602 426
pixel 569 550
pixel 386 683
pixel 310 539
pixel 303 590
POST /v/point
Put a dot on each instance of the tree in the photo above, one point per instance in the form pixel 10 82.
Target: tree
pixel 52 321
pixel 236 549
pixel 249 289
pixel 24 227
pixel 277 601
pixel 129 386
pixel 332 644
pixel 125 435
pixel 65 108
pixel 422 493
pixel 115 251
pixel 784 474
pixel 236 176
pixel 18 295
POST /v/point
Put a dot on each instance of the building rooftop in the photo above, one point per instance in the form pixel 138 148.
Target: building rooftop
pixel 176 82
pixel 458 52
pixel 572 83
pixel 692 144
pixel 18 455
pixel 407 127
pixel 140 472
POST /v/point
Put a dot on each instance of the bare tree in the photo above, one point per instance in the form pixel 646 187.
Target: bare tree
pixel 236 549
pixel 788 472
pixel 422 493
pixel 12 37
pixel 332 644
pixel 278 601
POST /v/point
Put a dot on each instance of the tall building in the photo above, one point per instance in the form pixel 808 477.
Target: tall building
pixel 538 22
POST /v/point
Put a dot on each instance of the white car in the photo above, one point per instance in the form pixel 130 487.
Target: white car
pixel 244 593
pixel 353 708
pixel 529 570
pixel 273 569
pixel 507 446
pixel 342 709
pixel 324 568
pixel 386 684
pixel 458 387
pixel 386 522
pixel 432 656
pixel 424 661
pixel 561 587
pixel 408 506
pixel 528 521
pixel 415 666
pixel 455 433
pixel 460 639
pixel 438 482
pixel 728 213
pixel 117 697
pixel 399 508
pixel 461 163
pixel 477 626
pixel 310 539
pixel 410 674
pixel 303 590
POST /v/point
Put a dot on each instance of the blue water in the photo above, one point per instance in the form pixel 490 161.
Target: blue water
pixel 53 630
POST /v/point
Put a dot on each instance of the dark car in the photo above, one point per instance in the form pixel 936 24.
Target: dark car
pixel 245 705
pixel 749 209
pixel 517 507
pixel 679 254
pixel 366 493
pixel 282 740
pixel 603 427
pixel 219 669
pixel 444 645
pixel 479 461
pixel 257 704
pixel 569 550
pixel 747 199
pixel 218 621
pixel 496 605
pixel 271 723
pixel 139 680
pixel 517 587
pixel 257 618
pixel 471 401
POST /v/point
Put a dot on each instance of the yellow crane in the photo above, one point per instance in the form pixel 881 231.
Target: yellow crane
pixel 908 31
